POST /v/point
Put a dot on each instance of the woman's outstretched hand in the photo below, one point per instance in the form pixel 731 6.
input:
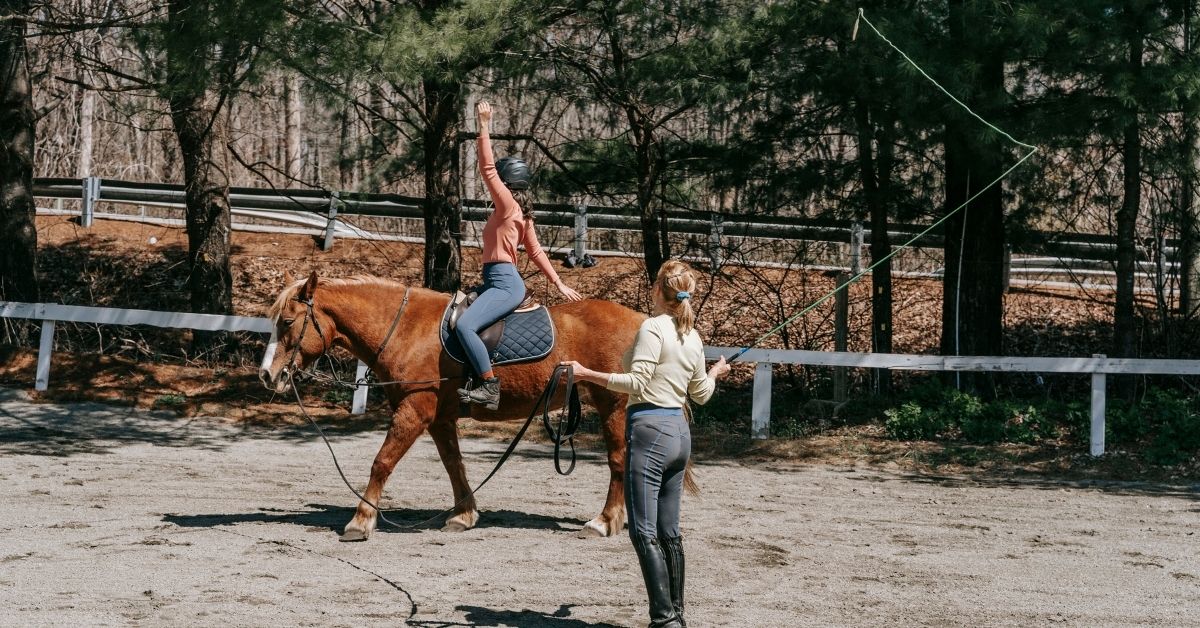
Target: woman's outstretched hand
pixel 567 292
pixel 483 111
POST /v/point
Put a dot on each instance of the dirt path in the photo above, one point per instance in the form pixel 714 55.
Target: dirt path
pixel 118 517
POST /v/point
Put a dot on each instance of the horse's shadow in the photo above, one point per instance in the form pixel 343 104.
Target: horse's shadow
pixel 479 616
pixel 334 518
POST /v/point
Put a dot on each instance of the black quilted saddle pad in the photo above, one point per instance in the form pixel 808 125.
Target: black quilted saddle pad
pixel 527 336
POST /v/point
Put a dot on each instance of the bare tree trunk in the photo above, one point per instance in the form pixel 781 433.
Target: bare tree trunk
pixel 346 149
pixel 973 299
pixel 1124 315
pixel 201 134
pixel 198 116
pixel 1189 210
pixel 293 116
pixel 87 116
pixel 875 175
pixel 443 214
pixel 18 256
pixel 648 165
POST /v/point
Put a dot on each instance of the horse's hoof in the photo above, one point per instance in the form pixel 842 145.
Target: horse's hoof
pixel 455 526
pixel 461 522
pixel 593 530
pixel 352 535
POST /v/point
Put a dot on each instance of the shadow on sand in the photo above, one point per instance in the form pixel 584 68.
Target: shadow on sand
pixel 334 518
pixel 479 616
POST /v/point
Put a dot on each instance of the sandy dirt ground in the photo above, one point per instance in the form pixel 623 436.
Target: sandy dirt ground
pixel 117 516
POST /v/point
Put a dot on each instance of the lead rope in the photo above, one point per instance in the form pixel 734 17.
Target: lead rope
pixel 571 410
pixel 1032 150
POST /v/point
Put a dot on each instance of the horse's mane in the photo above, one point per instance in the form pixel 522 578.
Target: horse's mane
pixel 290 291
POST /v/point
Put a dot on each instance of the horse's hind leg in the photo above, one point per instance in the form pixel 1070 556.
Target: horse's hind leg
pixel 445 435
pixel 407 425
pixel 612 518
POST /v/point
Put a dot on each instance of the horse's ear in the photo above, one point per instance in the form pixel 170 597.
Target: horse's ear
pixel 288 279
pixel 310 287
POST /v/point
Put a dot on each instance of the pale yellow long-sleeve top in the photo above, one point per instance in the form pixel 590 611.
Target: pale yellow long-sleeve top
pixel 662 368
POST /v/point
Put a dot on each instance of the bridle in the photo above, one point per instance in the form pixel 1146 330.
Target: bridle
pixel 309 313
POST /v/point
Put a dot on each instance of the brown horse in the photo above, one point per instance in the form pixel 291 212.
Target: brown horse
pixel 356 314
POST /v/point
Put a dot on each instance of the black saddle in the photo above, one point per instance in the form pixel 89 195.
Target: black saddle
pixel 525 335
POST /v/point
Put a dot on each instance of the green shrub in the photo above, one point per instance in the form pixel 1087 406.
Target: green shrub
pixel 986 427
pixel 957 407
pixel 1123 423
pixel 170 400
pixel 912 422
pixel 338 395
pixel 1165 423
pixel 1175 426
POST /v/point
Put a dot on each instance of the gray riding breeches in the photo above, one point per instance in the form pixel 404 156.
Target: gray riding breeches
pixel 658 444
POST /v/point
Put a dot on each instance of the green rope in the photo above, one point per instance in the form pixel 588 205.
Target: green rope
pixel 1032 149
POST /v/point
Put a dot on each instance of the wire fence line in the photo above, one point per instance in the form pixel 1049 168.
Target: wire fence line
pixel 1036 258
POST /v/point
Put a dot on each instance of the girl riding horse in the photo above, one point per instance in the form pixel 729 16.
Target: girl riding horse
pixel 510 224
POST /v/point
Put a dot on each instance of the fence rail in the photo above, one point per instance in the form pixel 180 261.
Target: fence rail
pixel 1097 366
pixel 715 225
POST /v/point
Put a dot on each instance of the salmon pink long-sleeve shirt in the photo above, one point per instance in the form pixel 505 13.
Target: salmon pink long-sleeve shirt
pixel 507 226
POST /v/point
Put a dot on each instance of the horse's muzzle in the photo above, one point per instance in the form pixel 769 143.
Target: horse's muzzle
pixel 278 384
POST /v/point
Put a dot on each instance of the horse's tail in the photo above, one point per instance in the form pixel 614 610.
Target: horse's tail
pixel 689 476
pixel 689 480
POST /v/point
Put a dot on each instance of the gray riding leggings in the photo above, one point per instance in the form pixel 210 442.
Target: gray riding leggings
pixel 501 293
pixel 658 443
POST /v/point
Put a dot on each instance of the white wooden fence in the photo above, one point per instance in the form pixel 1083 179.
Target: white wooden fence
pixel 1098 366
pixel 50 313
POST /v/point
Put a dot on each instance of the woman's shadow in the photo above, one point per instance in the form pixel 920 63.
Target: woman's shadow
pixel 479 616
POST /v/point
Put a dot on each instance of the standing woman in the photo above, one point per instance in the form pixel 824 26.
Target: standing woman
pixel 664 369
pixel 510 224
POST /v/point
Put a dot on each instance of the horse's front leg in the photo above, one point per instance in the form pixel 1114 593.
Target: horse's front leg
pixel 445 435
pixel 408 421
pixel 611 519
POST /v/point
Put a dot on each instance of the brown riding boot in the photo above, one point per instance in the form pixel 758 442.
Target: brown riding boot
pixel 673 551
pixel 486 393
pixel 657 579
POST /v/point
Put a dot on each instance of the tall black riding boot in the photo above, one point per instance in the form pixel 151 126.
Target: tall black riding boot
pixel 658 582
pixel 486 393
pixel 673 551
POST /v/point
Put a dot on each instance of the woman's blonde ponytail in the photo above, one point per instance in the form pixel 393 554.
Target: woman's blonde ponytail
pixel 676 282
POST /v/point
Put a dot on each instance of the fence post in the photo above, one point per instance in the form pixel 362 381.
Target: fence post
pixel 1099 384
pixel 841 323
pixel 580 231
pixel 760 408
pixel 714 240
pixel 359 406
pixel 329 227
pixel 91 193
pixel 42 380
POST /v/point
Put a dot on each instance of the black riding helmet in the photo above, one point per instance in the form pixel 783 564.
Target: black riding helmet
pixel 514 173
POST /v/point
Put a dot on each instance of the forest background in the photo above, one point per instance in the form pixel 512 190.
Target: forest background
pixel 744 108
